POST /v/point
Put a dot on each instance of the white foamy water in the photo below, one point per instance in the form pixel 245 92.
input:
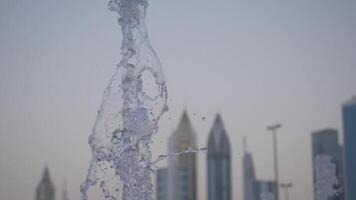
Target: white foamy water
pixel 133 102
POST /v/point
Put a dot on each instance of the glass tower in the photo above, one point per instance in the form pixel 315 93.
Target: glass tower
pixel 183 138
pixel 349 124
pixel 248 173
pixel 180 184
pixel 219 169
pixel 264 190
pixel 45 189
pixel 178 180
pixel 327 165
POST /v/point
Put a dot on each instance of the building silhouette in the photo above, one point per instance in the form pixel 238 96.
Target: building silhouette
pixel 326 152
pixel 349 124
pixel 165 185
pixel 183 138
pixel 178 180
pixel 219 162
pixel 162 184
pixel 65 192
pixel 264 190
pixel 248 173
pixel 45 189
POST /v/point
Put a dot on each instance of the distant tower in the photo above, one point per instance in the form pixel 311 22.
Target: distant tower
pixel 327 152
pixel 65 193
pixel 45 189
pixel 172 181
pixel 185 164
pixel 248 174
pixel 349 123
pixel 166 189
pixel 162 184
pixel 264 190
pixel 219 162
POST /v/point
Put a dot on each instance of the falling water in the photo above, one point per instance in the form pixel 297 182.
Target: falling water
pixel 133 103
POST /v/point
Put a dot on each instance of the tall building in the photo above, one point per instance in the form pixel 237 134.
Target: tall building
pixel 248 174
pixel 349 123
pixel 178 180
pixel 45 189
pixel 65 193
pixel 264 190
pixel 162 184
pixel 180 184
pixel 183 138
pixel 219 162
pixel 327 165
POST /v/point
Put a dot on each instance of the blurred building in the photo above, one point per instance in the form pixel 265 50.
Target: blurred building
pixel 45 189
pixel 180 185
pixel 248 174
pixel 219 162
pixel 264 190
pixel 162 184
pixel 178 180
pixel 183 138
pixel 65 193
pixel 327 165
pixel 349 124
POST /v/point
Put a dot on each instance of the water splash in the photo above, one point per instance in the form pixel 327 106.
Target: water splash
pixel 185 151
pixel 133 103
pixel 326 180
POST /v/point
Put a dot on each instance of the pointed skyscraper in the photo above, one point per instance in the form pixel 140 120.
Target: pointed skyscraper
pixel 185 164
pixel 248 174
pixel 45 189
pixel 219 162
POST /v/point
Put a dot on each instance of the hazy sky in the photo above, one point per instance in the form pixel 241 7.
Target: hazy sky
pixel 255 62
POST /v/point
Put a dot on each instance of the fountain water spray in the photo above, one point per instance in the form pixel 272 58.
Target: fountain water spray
pixel 133 103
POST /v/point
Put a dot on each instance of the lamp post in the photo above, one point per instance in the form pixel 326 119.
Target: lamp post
pixel 274 129
pixel 286 187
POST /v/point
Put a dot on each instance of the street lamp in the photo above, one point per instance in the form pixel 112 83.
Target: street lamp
pixel 286 187
pixel 274 128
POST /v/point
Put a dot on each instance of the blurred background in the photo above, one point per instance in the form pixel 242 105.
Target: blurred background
pixel 257 64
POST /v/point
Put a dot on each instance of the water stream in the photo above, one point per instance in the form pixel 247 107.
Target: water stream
pixel 133 103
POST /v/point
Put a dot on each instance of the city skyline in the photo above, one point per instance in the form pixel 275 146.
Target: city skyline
pixel 324 142
pixel 255 63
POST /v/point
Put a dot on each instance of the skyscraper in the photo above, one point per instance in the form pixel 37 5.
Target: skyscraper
pixel 327 165
pixel 162 184
pixel 248 174
pixel 180 184
pixel 349 123
pixel 178 181
pixel 183 138
pixel 219 164
pixel 45 189
pixel 264 190
pixel 65 193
